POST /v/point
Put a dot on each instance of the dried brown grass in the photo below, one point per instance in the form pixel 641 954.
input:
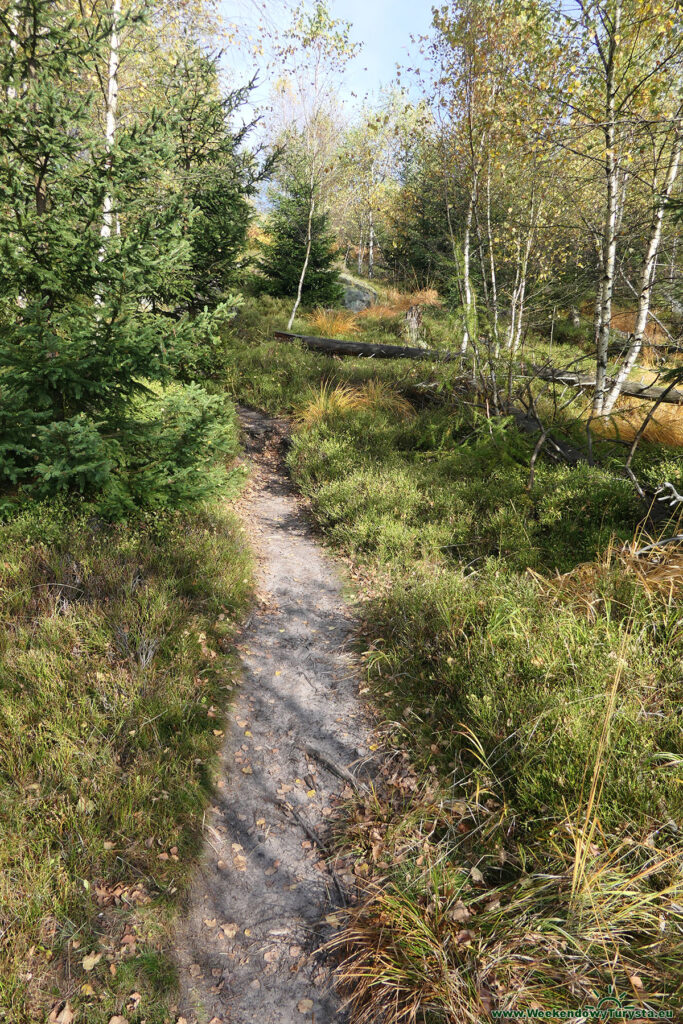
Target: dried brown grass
pixel 589 586
pixel 625 319
pixel 330 401
pixel 451 946
pixel 400 302
pixel 334 321
pixel 665 427
pixel 380 311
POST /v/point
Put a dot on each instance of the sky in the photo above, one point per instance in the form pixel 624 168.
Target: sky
pixel 384 27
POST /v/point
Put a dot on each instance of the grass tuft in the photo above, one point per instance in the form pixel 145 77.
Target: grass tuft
pixel 331 401
pixel 328 401
pixel 334 322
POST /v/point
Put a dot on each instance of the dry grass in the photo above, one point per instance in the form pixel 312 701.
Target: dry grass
pixel 426 297
pixel 624 320
pixel 665 427
pixel 401 962
pixel 381 311
pixel 378 394
pixel 400 302
pixel 443 941
pixel 446 946
pixel 333 322
pixel 588 587
pixel 328 401
pixel 338 400
pixel 654 337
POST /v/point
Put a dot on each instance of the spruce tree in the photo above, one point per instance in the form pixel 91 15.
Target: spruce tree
pixel 80 336
pixel 215 171
pixel 285 252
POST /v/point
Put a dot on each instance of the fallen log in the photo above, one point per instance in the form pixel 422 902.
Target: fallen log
pixel 631 387
pixel 361 348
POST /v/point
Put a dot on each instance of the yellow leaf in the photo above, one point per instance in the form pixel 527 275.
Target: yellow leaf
pixel 90 961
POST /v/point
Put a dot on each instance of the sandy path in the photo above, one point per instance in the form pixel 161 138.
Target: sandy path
pixel 263 878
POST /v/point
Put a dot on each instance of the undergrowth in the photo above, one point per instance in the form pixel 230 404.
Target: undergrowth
pixel 498 881
pixel 115 670
pixel 522 850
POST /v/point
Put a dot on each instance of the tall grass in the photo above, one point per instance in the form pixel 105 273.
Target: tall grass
pixel 330 401
pixel 665 427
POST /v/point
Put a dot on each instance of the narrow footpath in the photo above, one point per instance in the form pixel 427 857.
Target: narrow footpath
pixel 249 950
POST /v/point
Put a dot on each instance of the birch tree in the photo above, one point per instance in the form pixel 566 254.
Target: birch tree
pixel 627 94
pixel 488 60
pixel 112 96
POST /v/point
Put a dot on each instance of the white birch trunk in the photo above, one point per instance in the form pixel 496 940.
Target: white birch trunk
pixel 535 214
pixel 309 242
pixel 371 247
pixel 493 291
pixel 466 282
pixel 110 121
pixel 647 274
pixel 514 298
pixel 609 236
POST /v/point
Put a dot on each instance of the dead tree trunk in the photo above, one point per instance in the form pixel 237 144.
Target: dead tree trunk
pixel 413 324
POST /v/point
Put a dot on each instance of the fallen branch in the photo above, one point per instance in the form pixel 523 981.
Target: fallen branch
pixel 336 769
pixel 362 349
pixel 677 539
pixel 631 388
pixel 315 838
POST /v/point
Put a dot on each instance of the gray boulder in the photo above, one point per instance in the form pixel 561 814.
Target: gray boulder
pixel 357 296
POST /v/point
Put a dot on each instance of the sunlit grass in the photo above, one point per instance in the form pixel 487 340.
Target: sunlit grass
pixel 334 322
pixel 115 671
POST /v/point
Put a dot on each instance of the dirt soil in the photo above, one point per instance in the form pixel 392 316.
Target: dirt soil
pixel 250 948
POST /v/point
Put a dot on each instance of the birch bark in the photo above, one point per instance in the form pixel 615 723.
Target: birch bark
pixel 647 274
pixel 108 219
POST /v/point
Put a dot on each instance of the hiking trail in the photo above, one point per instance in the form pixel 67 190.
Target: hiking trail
pixel 249 947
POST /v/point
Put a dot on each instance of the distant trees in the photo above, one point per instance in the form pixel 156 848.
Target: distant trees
pixel 542 177
pixel 369 168
pixel 312 56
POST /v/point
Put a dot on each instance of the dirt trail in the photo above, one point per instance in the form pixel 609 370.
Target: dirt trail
pixel 247 950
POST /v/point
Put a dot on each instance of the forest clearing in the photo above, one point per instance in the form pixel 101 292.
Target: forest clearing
pixel 341 499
